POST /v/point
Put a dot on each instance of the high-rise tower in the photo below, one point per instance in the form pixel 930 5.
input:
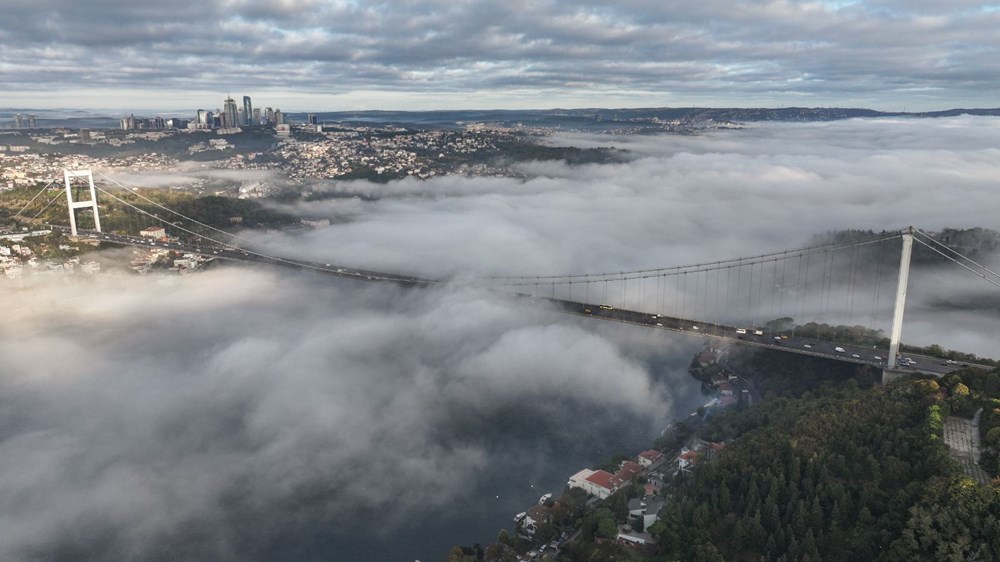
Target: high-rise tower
pixel 229 114
pixel 247 111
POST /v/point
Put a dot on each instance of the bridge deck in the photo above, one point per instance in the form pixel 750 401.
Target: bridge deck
pixel 789 342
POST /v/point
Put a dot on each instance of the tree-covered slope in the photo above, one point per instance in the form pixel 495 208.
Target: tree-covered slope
pixel 850 475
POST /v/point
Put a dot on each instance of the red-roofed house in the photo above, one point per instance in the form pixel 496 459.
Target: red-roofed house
pixel 687 459
pixel 712 448
pixel 600 483
pixel 628 470
pixel 650 458
pixel 706 358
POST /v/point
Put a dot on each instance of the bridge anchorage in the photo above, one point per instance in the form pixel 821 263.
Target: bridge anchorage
pixel 722 299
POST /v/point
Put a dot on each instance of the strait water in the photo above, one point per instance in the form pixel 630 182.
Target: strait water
pixel 533 448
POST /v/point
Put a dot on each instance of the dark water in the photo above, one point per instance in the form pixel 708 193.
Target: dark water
pixel 533 448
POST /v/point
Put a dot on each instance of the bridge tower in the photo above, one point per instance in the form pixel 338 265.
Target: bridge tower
pixel 91 204
pixel 897 314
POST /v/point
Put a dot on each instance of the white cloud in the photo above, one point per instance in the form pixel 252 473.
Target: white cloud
pixel 154 416
pixel 222 412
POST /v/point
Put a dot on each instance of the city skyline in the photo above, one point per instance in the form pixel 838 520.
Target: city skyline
pixel 322 56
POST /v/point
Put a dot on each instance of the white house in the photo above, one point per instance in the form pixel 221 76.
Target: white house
pixel 600 483
pixel 652 513
pixel 650 458
pixel 153 232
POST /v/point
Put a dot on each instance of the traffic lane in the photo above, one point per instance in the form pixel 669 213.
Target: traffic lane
pixel 871 356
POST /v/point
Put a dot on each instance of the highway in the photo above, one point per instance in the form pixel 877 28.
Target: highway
pixel 790 341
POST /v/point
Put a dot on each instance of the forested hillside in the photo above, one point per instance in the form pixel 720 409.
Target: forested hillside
pixel 829 467
pixel 851 474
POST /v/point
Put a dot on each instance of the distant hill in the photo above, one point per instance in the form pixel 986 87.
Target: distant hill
pixel 575 119
pixel 601 118
pixel 980 244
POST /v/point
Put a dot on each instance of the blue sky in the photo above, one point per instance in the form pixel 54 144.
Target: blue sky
pixel 449 54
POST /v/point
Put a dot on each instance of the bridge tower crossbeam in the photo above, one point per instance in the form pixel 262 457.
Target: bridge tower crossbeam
pixel 73 206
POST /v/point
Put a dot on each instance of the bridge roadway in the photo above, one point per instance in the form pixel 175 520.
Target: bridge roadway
pixel 786 341
pixel 239 254
pixel 789 342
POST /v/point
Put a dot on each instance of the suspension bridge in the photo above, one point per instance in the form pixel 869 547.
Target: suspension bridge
pixel 855 283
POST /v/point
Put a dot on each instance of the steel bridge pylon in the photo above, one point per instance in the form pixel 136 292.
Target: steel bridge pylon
pixel 68 175
pixel 897 313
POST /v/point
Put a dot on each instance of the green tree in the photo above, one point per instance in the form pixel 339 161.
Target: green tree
pixel 606 528
pixel 460 554
pixel 992 438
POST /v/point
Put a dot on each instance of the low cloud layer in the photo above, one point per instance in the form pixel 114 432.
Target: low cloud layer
pixel 432 54
pixel 230 414
pixel 681 200
pixel 210 416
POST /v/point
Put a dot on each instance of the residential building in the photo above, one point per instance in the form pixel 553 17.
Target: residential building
pixel 153 232
pixel 600 483
pixel 650 458
pixel 652 513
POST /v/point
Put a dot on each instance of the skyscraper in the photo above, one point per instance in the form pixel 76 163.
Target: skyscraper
pixel 256 117
pixel 279 117
pixel 31 121
pixel 269 115
pixel 229 119
pixel 18 121
pixel 247 111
